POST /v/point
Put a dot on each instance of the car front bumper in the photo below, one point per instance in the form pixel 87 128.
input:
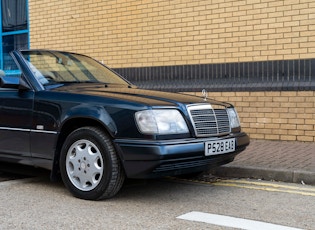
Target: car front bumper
pixel 150 159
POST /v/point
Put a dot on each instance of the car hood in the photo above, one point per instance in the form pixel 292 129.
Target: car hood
pixel 136 95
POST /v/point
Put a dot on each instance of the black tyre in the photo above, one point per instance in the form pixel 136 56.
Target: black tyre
pixel 89 165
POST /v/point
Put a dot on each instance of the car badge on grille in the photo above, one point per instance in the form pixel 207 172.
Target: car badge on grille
pixel 205 94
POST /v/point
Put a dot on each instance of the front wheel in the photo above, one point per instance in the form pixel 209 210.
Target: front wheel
pixel 89 165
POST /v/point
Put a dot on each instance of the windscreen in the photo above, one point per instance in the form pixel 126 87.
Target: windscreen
pixel 53 67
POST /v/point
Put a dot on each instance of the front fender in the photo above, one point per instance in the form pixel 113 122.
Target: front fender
pixel 81 115
pixel 97 113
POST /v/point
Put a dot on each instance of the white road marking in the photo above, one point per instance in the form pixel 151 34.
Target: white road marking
pixel 232 222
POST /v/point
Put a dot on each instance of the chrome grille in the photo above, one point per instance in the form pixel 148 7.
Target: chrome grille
pixel 209 122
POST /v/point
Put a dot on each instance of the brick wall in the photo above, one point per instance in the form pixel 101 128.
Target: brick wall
pixel 288 116
pixel 133 33
pixel 162 32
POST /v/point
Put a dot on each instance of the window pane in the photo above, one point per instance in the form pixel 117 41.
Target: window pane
pixel 9 43
pixel 14 15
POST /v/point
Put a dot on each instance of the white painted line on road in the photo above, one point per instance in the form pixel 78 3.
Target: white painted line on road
pixel 232 222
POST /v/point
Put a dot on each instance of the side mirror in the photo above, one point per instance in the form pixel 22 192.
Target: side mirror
pixel 13 83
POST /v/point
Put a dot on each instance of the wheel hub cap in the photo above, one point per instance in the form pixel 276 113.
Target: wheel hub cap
pixel 84 165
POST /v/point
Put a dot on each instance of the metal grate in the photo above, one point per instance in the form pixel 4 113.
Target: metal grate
pixel 274 75
pixel 209 122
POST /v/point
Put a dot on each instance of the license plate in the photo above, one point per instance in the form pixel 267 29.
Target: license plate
pixel 219 147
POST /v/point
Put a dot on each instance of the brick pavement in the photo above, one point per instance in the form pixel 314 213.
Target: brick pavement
pixel 274 160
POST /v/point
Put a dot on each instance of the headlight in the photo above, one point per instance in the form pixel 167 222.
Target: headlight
pixel 161 121
pixel 233 117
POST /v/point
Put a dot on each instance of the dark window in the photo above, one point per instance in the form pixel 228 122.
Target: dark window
pixel 14 31
pixel 10 43
pixel 14 15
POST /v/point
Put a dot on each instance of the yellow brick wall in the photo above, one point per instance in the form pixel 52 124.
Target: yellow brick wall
pixel 288 116
pixel 134 33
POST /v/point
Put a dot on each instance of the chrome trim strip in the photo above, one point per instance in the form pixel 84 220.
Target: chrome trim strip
pixel 28 130
pixel 15 129
pixel 43 131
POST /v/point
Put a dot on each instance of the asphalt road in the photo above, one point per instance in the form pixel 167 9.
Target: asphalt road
pixel 37 203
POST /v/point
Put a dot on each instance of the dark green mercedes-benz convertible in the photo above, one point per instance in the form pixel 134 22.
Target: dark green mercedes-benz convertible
pixel 70 114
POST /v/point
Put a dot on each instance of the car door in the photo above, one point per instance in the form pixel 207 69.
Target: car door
pixel 16 108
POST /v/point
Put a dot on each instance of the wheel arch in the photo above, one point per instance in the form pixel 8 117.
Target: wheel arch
pixel 99 173
pixel 69 126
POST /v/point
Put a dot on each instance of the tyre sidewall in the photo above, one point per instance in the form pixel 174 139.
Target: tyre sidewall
pixel 92 135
